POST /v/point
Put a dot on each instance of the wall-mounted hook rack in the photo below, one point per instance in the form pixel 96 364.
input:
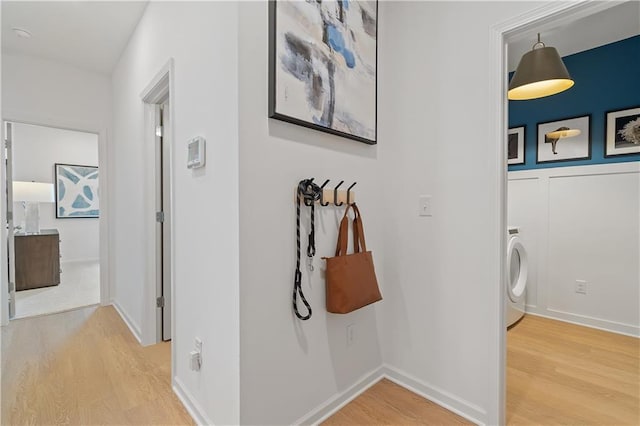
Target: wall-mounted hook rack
pixel 326 196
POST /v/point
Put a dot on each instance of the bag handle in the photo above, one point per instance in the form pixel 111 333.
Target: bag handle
pixel 358 232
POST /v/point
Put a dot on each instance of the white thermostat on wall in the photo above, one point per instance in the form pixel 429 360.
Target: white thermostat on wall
pixel 196 155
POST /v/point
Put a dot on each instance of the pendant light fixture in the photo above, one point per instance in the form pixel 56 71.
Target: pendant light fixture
pixel 540 73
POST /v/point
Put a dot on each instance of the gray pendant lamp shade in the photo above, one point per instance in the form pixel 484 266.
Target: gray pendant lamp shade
pixel 540 73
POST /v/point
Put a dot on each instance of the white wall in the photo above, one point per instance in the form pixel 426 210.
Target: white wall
pixel 201 38
pixel 44 92
pixel 581 223
pixel 440 320
pixel 290 367
pixel 35 151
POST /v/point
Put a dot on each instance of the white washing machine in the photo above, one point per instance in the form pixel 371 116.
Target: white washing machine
pixel 518 268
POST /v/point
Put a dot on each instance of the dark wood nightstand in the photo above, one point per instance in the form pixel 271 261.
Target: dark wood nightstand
pixel 37 259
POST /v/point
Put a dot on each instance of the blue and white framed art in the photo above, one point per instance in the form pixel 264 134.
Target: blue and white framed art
pixel 323 66
pixel 76 191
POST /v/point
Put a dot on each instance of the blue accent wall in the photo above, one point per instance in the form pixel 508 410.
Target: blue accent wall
pixel 607 78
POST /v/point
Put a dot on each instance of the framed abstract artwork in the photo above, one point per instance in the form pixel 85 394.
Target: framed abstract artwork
pixel 76 191
pixel 515 145
pixel 323 66
pixel 564 140
pixel 622 132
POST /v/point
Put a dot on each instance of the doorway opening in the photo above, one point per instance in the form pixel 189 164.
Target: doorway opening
pixel 551 193
pixel 52 219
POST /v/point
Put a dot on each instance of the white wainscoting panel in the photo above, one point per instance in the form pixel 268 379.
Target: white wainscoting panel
pixel 581 223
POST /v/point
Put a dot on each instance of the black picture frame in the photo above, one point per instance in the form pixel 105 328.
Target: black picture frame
pixel 520 145
pixel 581 143
pixel 61 190
pixel 273 70
pixel 615 121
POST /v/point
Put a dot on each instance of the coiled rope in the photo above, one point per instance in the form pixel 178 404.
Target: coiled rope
pixel 308 192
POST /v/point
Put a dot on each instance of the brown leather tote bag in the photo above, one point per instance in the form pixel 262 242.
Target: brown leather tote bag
pixel 351 278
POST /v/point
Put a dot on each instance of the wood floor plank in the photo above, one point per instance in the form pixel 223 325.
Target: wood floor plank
pixel 84 367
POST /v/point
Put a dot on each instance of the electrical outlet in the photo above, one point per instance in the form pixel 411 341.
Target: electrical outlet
pixel 351 334
pixel 581 286
pixel 195 356
pixel 195 360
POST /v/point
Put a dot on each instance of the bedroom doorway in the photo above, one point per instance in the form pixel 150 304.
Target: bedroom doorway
pixel 53 219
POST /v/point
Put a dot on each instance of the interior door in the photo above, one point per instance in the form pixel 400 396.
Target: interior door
pixel 163 234
pixel 166 229
pixel 10 225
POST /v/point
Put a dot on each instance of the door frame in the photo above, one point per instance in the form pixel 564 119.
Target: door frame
pixel 159 89
pixel 103 164
pixel 537 20
pixel 7 159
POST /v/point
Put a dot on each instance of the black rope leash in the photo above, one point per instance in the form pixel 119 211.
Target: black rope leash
pixel 308 192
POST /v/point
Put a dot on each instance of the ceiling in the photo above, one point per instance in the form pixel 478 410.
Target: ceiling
pixel 86 34
pixel 608 26
pixel 93 34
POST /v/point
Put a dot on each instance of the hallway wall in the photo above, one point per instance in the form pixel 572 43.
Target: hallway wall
pixel 290 367
pixel 440 322
pixel 200 37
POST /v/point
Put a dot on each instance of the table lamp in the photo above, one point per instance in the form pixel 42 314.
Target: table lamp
pixel 31 194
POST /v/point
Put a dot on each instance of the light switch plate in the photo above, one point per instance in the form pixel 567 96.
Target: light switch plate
pixel 424 205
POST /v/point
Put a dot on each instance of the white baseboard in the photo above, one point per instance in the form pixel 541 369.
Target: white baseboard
pixel 193 408
pixel 587 321
pixel 127 320
pixel 434 394
pixel 336 402
pixel 441 397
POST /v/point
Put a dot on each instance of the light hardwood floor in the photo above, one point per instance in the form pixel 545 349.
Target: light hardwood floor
pixel 386 403
pixel 557 373
pixel 560 373
pixel 84 367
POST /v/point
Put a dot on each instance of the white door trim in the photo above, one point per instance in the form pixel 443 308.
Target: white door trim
pixel 103 164
pixel 537 20
pixel 159 89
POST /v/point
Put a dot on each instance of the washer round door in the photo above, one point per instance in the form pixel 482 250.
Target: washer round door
pixel 518 269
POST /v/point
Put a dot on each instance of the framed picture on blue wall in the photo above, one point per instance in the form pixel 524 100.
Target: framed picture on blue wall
pixel 323 66
pixel 515 145
pixel 564 140
pixel 76 191
pixel 622 132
